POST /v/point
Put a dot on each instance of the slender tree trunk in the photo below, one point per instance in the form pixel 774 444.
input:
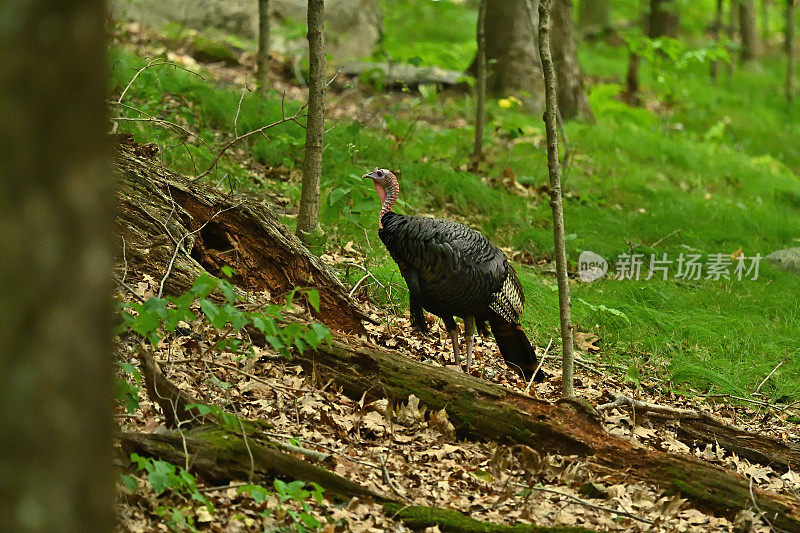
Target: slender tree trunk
pixel 662 18
pixel 765 21
pixel 56 220
pixel 262 59
pixel 477 152
pixel 593 14
pixel 789 50
pixel 572 100
pixel 715 32
pixel 631 95
pixel 749 33
pixel 551 103
pixel 312 165
pixel 734 8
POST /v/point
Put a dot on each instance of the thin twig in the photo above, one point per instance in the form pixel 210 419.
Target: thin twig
pixel 224 487
pixel 665 237
pixel 539 366
pixel 154 63
pixel 758 509
pixel 130 290
pixel 239 110
pixel 324 447
pixel 587 504
pixel 388 480
pixel 769 376
pixel 243 136
pixel 674 412
pixel 258 379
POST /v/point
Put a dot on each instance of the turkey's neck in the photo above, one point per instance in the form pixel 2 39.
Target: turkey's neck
pixel 391 189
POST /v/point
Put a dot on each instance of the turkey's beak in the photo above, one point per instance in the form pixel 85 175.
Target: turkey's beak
pixel 369 175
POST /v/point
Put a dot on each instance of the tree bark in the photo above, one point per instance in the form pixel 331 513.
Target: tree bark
pixel 512 50
pixel 564 303
pixel 262 59
pixel 572 100
pixel 751 45
pixel 789 43
pixel 662 19
pixel 593 14
pixel 56 215
pixel 307 218
pixel 765 21
pixel 480 97
pixel 715 32
pixel 513 54
pixel 732 33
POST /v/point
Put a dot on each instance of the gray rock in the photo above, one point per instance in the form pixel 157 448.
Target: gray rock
pixel 353 27
pixel 788 259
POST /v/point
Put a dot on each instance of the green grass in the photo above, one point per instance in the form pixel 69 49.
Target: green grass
pixel 636 178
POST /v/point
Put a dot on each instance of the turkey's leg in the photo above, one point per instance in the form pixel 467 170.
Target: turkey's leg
pixel 454 340
pixel 469 331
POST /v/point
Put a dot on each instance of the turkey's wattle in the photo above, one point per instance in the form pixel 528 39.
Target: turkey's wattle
pixel 452 270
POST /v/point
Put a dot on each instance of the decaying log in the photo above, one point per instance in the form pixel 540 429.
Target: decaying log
pixel 485 411
pixel 698 427
pixel 399 74
pixel 158 209
pixel 221 455
pixel 753 447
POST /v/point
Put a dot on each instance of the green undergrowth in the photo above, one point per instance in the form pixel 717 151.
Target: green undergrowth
pixel 713 171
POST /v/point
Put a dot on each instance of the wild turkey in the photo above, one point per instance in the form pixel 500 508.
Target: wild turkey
pixel 452 270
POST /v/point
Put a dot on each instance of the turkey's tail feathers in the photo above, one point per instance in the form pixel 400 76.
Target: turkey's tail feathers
pixel 515 347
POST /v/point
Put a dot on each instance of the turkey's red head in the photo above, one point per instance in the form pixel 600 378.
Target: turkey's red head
pixel 387 188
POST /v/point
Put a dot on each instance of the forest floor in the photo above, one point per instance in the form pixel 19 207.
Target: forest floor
pixel 623 347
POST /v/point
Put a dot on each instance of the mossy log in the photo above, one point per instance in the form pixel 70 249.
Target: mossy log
pixel 221 455
pixel 485 411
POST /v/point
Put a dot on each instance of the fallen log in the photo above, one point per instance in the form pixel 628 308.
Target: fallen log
pixel 174 229
pixel 222 454
pixel 485 411
pixel 399 74
pixel 698 427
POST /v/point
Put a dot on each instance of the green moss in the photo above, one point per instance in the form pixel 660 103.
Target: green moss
pixel 418 517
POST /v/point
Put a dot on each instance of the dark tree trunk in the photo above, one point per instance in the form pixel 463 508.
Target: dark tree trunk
pixel 715 32
pixel 480 86
pixel 662 19
pixel 308 216
pixel 732 33
pixel 751 45
pixel 593 14
pixel 789 50
pixel 765 20
pixel 512 54
pixel 572 100
pixel 56 220
pixel 262 59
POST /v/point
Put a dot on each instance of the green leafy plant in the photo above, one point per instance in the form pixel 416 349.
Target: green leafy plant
pixel 295 491
pixel 157 317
